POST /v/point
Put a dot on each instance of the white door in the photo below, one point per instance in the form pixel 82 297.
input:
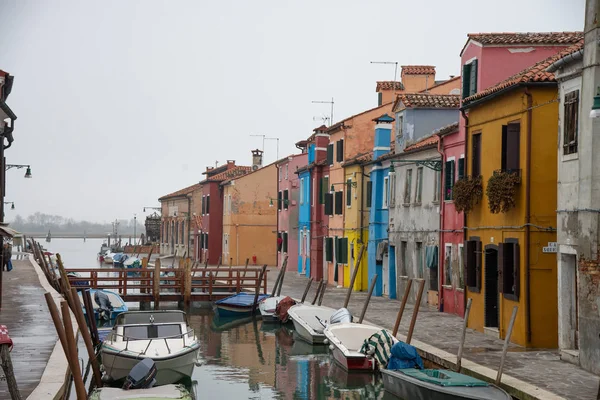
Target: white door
pixel 384 271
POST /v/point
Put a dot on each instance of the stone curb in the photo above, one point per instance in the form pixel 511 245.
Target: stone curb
pixel 53 382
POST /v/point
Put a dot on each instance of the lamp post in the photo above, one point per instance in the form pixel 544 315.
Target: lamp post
pixel 19 166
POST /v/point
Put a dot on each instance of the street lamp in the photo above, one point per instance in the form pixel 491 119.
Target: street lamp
pixel 152 208
pixel 595 113
pixel 19 166
pixel 12 203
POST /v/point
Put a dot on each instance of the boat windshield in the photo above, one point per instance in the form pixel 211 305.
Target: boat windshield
pixel 132 318
pixel 151 332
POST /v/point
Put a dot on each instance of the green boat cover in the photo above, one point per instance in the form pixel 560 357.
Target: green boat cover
pixel 443 377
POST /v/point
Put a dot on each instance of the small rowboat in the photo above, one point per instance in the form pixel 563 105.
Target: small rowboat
pixel 238 305
pixel 310 321
pixel 439 384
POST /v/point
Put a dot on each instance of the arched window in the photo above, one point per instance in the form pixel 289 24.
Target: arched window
pixel 182 232
pixel 177 232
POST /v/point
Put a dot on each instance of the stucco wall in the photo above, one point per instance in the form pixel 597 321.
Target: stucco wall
pixel 419 123
pixel 251 225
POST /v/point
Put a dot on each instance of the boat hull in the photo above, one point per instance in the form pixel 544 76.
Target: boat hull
pixel 407 387
pixel 169 369
pixel 360 363
pixel 227 311
pixel 309 337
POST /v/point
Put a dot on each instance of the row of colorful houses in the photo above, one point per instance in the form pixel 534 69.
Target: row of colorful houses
pixel 457 182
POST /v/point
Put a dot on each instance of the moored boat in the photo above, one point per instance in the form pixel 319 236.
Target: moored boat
pixel 310 321
pixel 108 258
pixel 116 304
pixel 439 384
pixel 170 392
pixel 163 336
pixel 349 344
pixel 238 305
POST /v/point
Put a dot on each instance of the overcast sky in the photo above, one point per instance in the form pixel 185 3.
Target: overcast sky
pixel 120 102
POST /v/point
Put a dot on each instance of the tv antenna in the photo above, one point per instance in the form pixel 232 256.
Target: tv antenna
pixel 395 64
pixel 323 118
pixel 326 102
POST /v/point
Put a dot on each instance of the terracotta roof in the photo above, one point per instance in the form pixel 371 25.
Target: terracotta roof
pixel 341 123
pixel 536 73
pixel 446 129
pixel 181 192
pixel 238 170
pixel 418 69
pixel 441 83
pixel 426 100
pixel 426 142
pixel 359 159
pixel 524 38
pixel 389 85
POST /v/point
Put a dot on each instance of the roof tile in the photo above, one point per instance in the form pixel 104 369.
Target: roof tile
pixel 427 100
pixel 418 69
pixel 426 142
pixel 236 171
pixel 181 192
pixel 389 85
pixel 536 73
pixel 504 38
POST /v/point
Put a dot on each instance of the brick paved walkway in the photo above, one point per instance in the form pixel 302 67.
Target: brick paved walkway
pixel 527 373
pixel 25 313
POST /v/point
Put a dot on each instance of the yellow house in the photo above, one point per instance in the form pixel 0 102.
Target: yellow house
pixel 356 221
pixel 510 253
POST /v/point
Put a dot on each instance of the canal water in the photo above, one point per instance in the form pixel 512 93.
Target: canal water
pixel 246 359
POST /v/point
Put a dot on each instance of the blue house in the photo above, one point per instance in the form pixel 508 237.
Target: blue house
pixel 378 218
pixel 304 177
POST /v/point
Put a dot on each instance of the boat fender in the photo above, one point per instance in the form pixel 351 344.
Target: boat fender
pixel 331 347
pixel 325 341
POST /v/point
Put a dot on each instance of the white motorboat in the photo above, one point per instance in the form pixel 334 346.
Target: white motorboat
pixel 108 258
pixel 163 336
pixel 267 308
pixel 310 321
pixel 346 341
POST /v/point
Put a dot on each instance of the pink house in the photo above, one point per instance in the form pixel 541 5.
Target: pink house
pixel 486 59
pixel 288 201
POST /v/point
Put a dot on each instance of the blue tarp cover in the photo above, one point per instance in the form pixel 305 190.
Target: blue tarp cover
pixel 241 299
pixel 404 356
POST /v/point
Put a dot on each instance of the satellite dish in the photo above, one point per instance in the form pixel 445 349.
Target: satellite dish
pixel 254 167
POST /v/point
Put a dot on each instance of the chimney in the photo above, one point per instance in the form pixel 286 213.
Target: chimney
pixel 321 143
pixel 230 164
pixel 257 156
pixel 416 78
pixel 383 131
pixel 387 90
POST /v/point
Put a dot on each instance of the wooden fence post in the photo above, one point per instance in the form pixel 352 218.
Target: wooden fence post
pixel 156 283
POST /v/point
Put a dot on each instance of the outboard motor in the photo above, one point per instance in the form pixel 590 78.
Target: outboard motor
pixel 340 316
pixel 104 305
pixel 141 376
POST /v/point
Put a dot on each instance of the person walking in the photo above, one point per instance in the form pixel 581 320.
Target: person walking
pixel 7 254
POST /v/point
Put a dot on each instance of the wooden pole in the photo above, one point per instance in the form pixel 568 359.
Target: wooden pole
pixel 156 284
pixel 322 292
pixel 506 342
pixel 257 291
pixel 174 257
pixel 87 339
pixel 306 289
pixel 402 305
pixel 318 291
pixel 63 277
pixel 415 312
pixel 283 269
pixel 187 283
pixel 91 318
pixel 364 310
pixel 276 283
pixel 245 270
pixel 9 372
pixel 72 355
pixel 354 274
pixel 463 336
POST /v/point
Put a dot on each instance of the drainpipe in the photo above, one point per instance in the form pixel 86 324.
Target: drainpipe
pixel 528 214
pixel 465 236
pixel 440 238
pixel 277 213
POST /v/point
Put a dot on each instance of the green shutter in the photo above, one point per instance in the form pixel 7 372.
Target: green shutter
pixel 473 78
pixel 337 249
pixel 448 181
pixel 461 168
pixel 345 250
pixel 279 200
pixel 328 249
pixel 369 193
pixel 466 76
pixel 349 192
pixel 330 154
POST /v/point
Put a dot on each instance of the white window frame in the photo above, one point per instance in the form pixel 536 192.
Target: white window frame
pixel 436 186
pixel 392 176
pixel 301 191
pixel 446 253
pixel 386 192
pixel 279 169
pixel 286 171
pixel 419 186
pixel 407 187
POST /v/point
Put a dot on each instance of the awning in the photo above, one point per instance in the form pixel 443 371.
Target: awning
pixel 6 231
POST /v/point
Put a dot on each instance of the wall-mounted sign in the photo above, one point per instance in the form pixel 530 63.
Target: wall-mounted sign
pixel 551 248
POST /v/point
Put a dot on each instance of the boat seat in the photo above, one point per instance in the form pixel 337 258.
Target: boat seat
pixel 443 377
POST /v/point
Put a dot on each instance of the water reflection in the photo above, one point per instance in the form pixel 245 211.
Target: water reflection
pixel 244 358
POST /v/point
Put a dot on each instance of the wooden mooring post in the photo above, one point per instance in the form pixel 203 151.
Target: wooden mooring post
pixel 72 353
pixel 274 291
pixel 322 292
pixel 283 269
pixel 6 361
pixel 87 339
pixel 354 274
pixel 364 310
pixel 89 313
pixel 318 291
pixel 306 289
pixel 402 306
pixel 415 311
pixel 257 290
pixel 463 335
pixel 156 284
pixel 506 342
